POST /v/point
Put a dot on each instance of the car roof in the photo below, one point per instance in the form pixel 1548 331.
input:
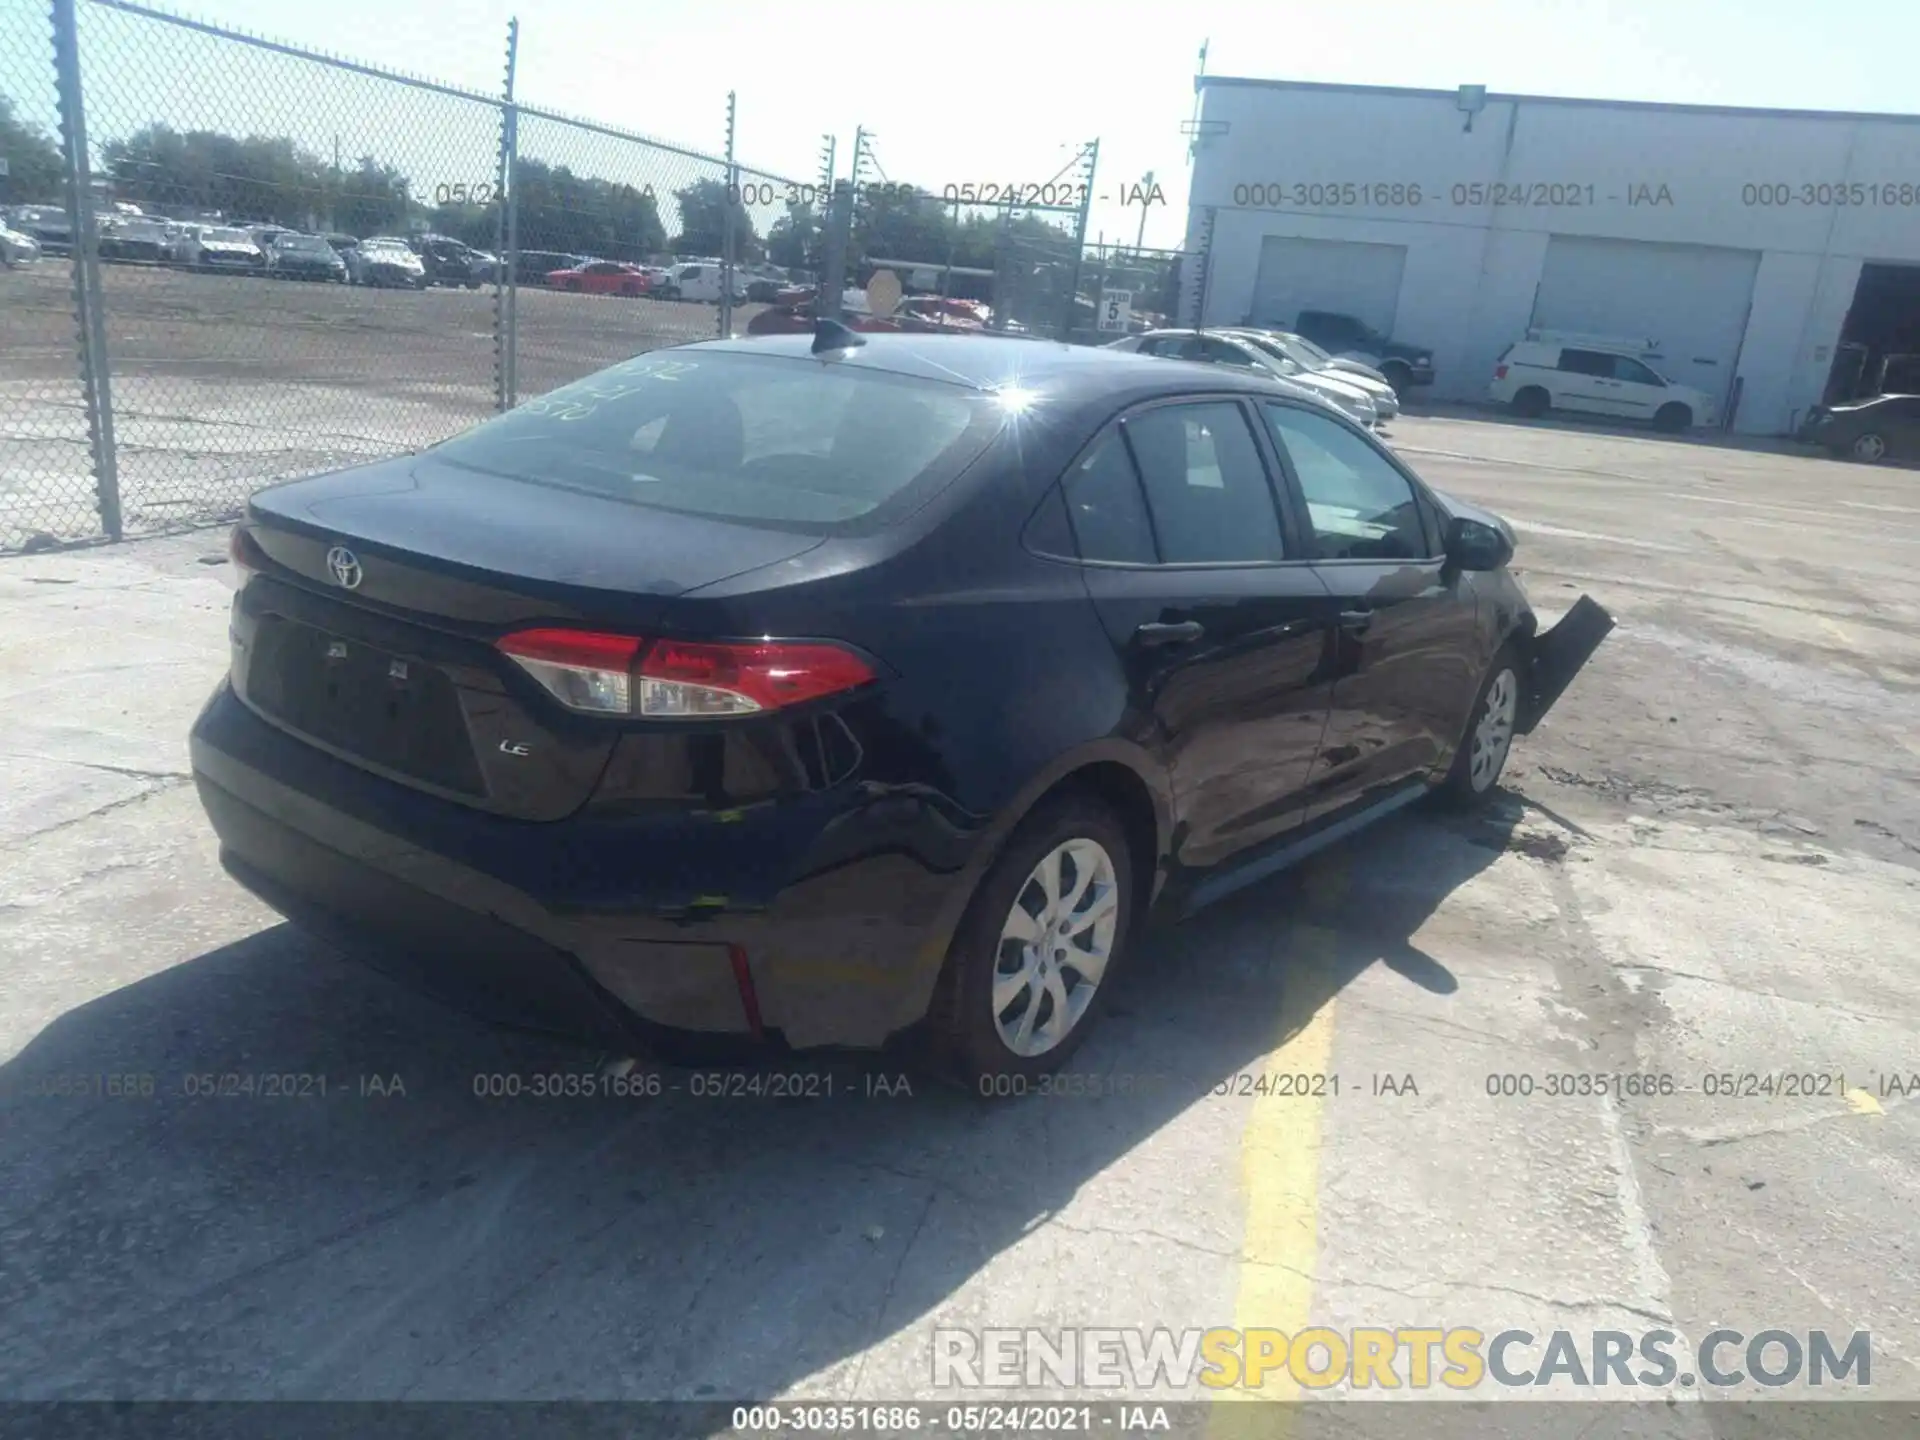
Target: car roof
pixel 1050 369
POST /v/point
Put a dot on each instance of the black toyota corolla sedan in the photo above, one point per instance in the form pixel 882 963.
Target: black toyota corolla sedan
pixel 830 690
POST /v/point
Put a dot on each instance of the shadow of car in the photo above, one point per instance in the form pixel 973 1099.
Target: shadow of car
pixel 272 1122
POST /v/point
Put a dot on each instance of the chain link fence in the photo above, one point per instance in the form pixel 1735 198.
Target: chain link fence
pixel 287 262
pixel 1127 290
pixel 46 469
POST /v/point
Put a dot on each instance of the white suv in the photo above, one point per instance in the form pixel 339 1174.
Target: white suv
pixel 700 281
pixel 1596 376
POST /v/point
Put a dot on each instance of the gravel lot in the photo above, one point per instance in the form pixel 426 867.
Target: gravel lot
pixel 221 382
pixel 1708 862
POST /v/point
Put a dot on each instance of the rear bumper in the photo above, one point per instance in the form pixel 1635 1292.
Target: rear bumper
pixel 581 927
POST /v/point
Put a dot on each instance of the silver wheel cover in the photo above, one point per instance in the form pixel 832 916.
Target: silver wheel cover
pixel 1055 946
pixel 1493 731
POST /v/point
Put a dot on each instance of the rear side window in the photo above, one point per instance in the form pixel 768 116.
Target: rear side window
pixel 1206 485
pixel 1587 362
pixel 1108 512
pixel 790 443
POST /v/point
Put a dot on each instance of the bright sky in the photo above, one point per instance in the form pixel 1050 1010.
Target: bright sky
pixel 996 91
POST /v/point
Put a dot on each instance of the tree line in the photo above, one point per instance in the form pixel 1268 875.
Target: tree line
pixel 273 180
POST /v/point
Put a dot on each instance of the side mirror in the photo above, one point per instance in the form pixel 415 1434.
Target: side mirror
pixel 1472 545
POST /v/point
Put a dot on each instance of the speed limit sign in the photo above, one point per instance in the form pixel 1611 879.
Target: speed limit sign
pixel 1116 310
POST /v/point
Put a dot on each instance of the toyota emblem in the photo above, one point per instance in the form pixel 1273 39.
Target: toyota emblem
pixel 344 566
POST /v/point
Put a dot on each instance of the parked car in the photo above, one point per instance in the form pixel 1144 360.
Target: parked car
pixel 947 311
pixel 17 248
pixel 1323 359
pixel 1880 427
pixel 1596 376
pixel 1304 357
pixel 700 281
pixel 1401 365
pixel 385 260
pixel 453 262
pixel 133 237
pixel 1215 347
pixel 48 226
pixel 491 724
pixel 602 277
pixel 791 313
pixel 531 267
pixel 265 235
pixel 305 257
pixel 226 249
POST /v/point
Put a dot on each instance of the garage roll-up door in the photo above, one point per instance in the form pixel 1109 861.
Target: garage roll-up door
pixel 1350 276
pixel 1693 299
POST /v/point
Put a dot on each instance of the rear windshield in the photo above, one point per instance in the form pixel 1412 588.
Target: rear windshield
pixel 792 442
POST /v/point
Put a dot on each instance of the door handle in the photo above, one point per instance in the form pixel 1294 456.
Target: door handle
pixel 1155 633
pixel 1356 620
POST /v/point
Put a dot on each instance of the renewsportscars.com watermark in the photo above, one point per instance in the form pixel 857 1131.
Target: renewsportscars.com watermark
pixel 1383 1359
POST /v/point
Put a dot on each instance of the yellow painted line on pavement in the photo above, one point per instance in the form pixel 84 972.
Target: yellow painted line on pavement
pixel 1280 1169
pixel 1863 1102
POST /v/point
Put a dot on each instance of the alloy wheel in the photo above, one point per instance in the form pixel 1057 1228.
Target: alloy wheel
pixel 1493 732
pixel 1869 447
pixel 1054 946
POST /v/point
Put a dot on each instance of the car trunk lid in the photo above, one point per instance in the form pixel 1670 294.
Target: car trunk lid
pixel 368 628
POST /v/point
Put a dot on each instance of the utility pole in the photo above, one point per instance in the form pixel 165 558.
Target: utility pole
pixel 1091 158
pixel 727 230
pixel 1146 188
pixel 859 157
pixel 823 203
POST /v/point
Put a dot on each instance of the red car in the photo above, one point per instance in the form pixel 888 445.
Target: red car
pixel 602 277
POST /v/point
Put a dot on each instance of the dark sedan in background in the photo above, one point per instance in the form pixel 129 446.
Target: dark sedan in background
pixel 1881 427
pixel 305 257
pixel 820 691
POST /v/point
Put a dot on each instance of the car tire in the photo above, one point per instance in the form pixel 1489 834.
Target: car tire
pixel 1081 844
pixel 573 285
pixel 1398 375
pixel 672 292
pixel 1530 402
pixel 1673 418
pixel 1481 757
pixel 1869 448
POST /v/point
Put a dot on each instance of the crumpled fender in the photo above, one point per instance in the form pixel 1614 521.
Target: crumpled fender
pixel 1554 657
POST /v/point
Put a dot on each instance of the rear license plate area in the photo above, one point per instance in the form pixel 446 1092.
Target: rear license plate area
pixel 394 711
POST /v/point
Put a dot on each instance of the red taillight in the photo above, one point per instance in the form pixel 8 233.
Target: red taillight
pixel 1499 372
pixel 244 551
pixel 678 679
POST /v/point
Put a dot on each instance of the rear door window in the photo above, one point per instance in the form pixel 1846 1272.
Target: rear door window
pixel 1587 362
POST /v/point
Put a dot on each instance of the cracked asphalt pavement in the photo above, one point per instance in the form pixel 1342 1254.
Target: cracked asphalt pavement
pixel 1706 867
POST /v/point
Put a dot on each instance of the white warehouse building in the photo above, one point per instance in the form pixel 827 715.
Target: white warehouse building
pixel 1770 257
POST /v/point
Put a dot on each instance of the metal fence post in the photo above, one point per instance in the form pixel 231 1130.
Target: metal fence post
pixel 727 231
pixel 506 382
pixel 87 300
